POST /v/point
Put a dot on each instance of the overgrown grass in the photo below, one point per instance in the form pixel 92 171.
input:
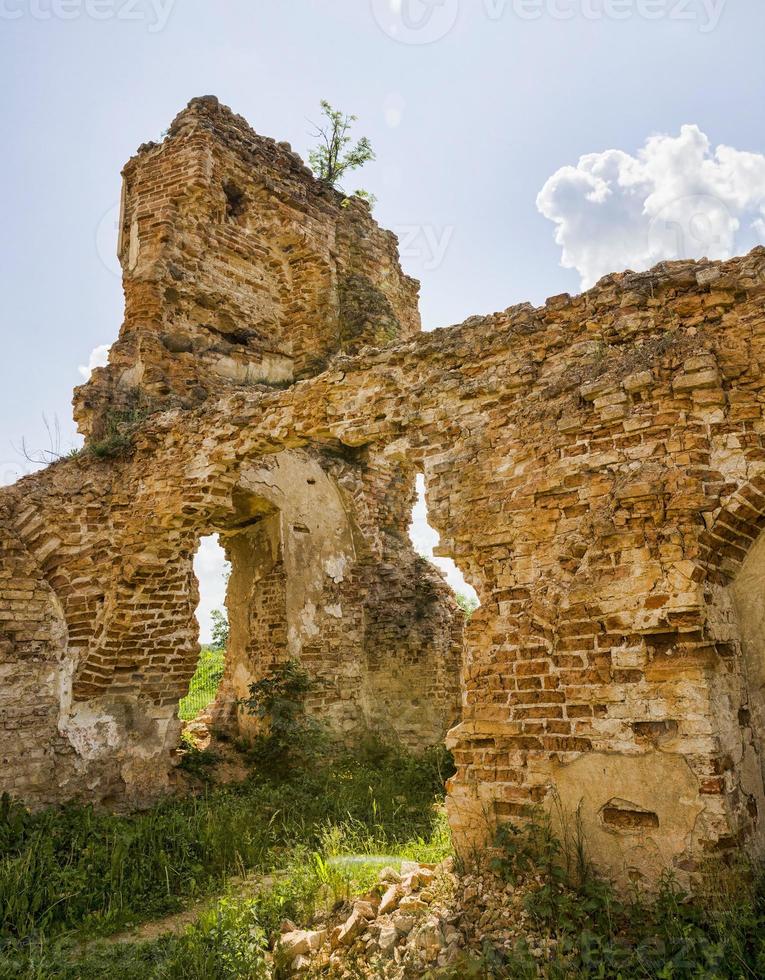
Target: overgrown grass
pixel 719 934
pixel 320 837
pixel 77 870
pixel 118 429
pixel 225 943
pixel 204 684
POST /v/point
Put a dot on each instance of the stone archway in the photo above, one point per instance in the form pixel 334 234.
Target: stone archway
pixel 747 692
pixel 312 533
pixel 290 543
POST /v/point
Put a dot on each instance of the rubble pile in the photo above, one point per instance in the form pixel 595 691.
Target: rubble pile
pixel 413 922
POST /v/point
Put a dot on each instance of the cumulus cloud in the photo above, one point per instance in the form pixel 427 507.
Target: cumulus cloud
pixel 677 198
pixel 99 357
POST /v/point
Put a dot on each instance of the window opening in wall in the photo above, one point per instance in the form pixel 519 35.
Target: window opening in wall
pixel 425 538
pixel 236 202
pixel 212 572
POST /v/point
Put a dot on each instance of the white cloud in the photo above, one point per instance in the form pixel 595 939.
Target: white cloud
pixel 677 198
pixel 211 570
pixel 99 357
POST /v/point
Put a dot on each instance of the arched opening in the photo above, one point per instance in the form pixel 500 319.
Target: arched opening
pixel 256 601
pixel 426 541
pixel 212 571
pixel 370 621
pixel 413 640
pixel 742 686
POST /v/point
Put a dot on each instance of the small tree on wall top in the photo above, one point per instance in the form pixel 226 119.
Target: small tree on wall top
pixel 331 159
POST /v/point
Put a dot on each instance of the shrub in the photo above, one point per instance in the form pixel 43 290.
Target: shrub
pixel 289 737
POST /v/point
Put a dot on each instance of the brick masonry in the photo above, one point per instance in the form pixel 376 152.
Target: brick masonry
pixel 595 467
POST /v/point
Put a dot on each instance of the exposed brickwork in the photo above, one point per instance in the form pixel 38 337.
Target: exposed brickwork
pixel 239 268
pixel 596 467
pixel 241 273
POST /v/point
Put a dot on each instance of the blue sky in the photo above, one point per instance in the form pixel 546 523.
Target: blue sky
pixel 468 128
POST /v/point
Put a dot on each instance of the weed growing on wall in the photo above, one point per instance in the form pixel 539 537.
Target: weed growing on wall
pixel 718 934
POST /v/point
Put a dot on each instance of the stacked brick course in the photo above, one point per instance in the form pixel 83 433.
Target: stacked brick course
pixel 239 268
pixel 596 467
pixel 242 273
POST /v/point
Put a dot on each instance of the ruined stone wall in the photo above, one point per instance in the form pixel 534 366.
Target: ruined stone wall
pixel 106 611
pixel 239 268
pixel 595 467
pixel 581 472
pixel 241 273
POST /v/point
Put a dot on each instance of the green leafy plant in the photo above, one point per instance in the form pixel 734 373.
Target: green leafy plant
pixel 117 430
pixel 334 157
pixel 289 736
pixel 220 630
pixel 667 936
pixel 570 895
pixel 468 604
pixel 227 943
pixel 198 762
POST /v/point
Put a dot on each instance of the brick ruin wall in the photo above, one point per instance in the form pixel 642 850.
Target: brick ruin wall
pixel 239 268
pixel 596 468
pixel 242 273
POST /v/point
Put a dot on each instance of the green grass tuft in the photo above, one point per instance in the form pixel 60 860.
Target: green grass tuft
pixel 76 870
pixel 204 685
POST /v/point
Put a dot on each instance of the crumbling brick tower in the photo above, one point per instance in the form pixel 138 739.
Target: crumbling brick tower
pixel 239 269
pixel 242 275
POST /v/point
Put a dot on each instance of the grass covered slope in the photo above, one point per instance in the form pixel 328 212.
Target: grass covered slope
pixel 306 832
pixel 79 869
pixel 204 684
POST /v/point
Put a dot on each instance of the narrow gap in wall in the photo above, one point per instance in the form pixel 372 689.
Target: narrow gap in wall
pixel 212 572
pixel 425 538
